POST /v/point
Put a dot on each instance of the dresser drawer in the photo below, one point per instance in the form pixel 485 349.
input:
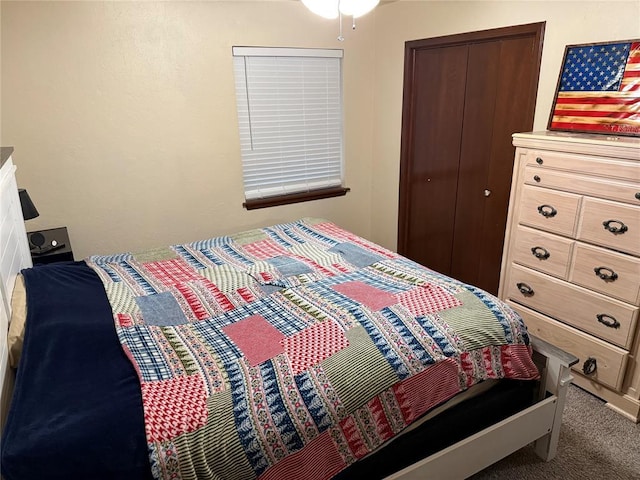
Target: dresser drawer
pixel 603 167
pixel 607 318
pixel 610 224
pixel 542 251
pixel 610 361
pixel 584 184
pixel 549 210
pixel 605 271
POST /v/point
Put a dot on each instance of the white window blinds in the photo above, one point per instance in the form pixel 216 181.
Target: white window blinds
pixel 290 118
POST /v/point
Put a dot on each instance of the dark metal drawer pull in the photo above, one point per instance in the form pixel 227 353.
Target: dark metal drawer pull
pixel 613 228
pixel 524 288
pixel 547 211
pixel 536 178
pixel 606 274
pixel 590 366
pixel 608 320
pixel 637 195
pixel 539 161
pixel 540 252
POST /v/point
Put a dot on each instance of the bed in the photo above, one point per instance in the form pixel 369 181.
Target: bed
pixel 298 350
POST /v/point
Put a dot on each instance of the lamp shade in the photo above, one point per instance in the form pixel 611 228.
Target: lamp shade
pixel 29 210
pixel 324 8
pixel 357 8
pixel 332 8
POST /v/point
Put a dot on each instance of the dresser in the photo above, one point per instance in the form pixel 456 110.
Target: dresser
pixel 571 260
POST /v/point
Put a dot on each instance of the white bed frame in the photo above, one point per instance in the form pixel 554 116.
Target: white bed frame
pixel 539 424
pixel 14 256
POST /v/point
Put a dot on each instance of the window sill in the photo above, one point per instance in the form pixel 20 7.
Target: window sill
pixel 295 198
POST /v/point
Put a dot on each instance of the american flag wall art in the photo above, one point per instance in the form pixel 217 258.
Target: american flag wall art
pixel 599 89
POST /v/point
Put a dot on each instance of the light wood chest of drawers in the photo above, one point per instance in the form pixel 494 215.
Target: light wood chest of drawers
pixel 571 260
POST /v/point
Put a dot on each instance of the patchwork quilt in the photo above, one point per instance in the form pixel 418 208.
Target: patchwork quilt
pixel 292 351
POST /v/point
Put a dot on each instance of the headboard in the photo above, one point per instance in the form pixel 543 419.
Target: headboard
pixel 14 256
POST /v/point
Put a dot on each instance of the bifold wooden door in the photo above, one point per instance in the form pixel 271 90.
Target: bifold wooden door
pixel 464 96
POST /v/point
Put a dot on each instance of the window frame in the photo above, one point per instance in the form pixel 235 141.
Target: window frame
pixel 253 197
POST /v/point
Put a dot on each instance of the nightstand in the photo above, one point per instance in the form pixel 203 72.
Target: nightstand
pixel 54 245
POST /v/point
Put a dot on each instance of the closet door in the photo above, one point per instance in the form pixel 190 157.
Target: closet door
pixel 433 185
pixel 464 96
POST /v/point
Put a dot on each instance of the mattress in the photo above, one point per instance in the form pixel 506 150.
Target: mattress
pixel 88 397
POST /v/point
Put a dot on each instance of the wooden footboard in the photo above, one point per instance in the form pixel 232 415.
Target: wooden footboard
pixel 539 423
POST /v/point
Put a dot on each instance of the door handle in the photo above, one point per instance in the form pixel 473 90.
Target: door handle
pixel 540 252
pixel 606 273
pixel 612 226
pixel 547 211
pixel 590 366
pixel 525 289
pixel 608 320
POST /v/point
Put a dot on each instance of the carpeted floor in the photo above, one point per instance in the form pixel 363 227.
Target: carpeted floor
pixel 595 443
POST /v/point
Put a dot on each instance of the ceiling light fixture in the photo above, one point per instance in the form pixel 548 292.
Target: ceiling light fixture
pixel 337 8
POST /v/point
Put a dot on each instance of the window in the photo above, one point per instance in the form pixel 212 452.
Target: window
pixel 290 119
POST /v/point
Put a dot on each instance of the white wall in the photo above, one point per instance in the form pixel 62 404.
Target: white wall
pixel 567 22
pixel 123 117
